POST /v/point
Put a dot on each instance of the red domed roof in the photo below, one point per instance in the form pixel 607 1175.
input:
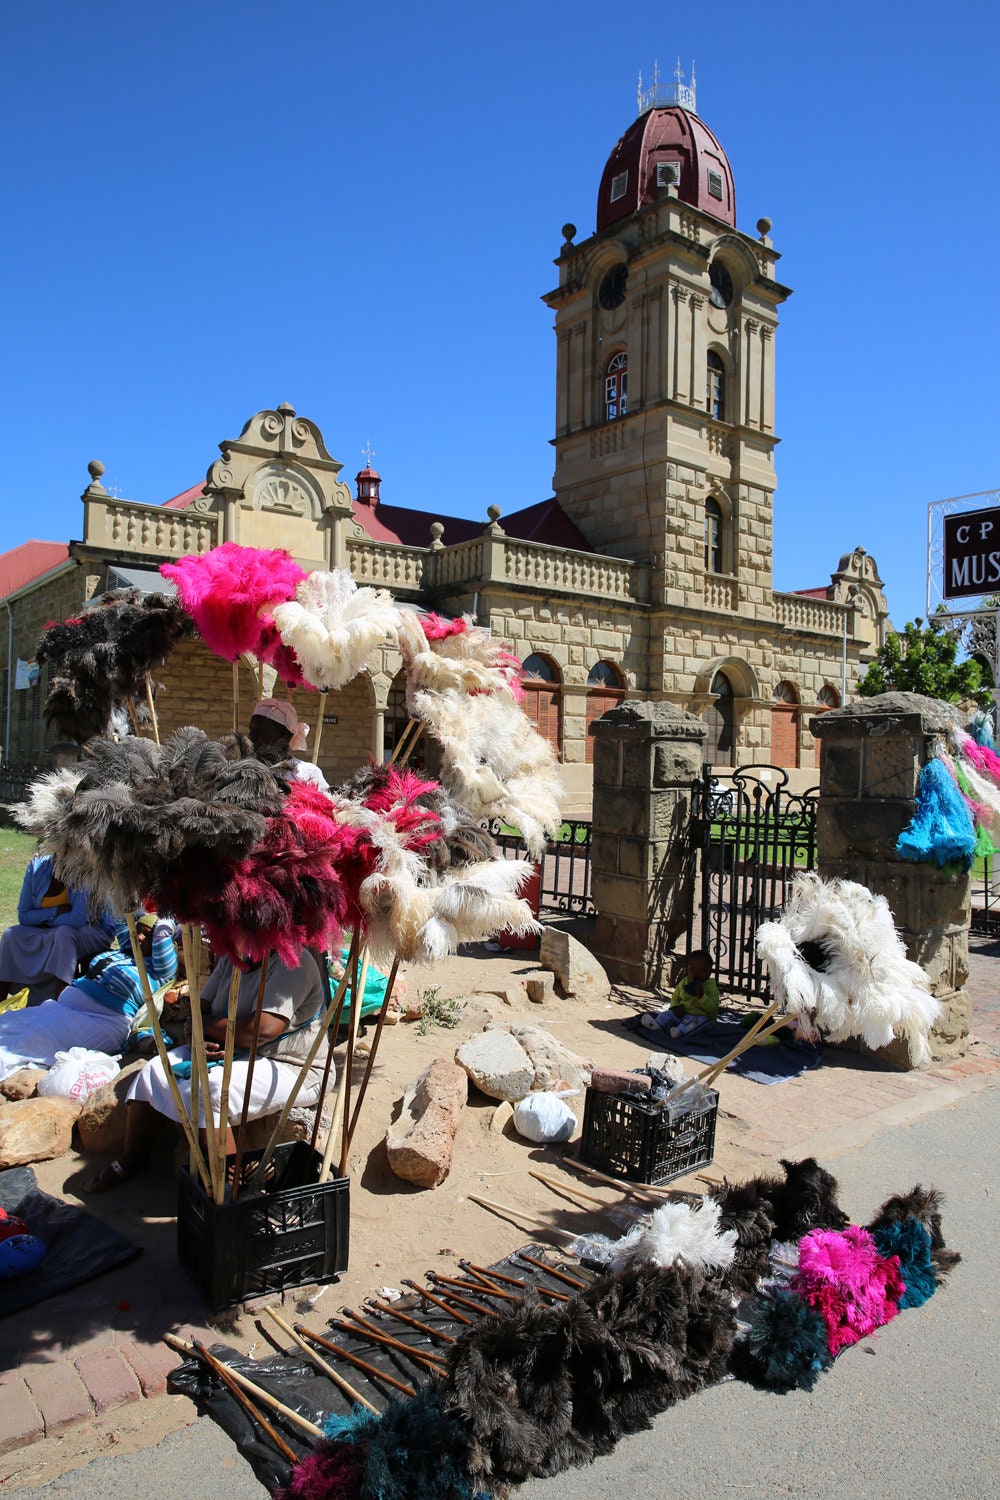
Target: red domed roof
pixel 660 136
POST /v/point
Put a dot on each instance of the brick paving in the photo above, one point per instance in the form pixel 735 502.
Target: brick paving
pixel 76 1358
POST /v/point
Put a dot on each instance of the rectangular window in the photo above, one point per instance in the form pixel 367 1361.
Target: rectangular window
pixel 667 173
pixel 715 185
pixel 619 186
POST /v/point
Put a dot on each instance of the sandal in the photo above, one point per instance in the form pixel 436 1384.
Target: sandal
pixel 113 1175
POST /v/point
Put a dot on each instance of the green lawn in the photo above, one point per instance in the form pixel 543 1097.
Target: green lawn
pixel 15 851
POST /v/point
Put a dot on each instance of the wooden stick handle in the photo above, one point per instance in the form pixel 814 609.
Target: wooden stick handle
pixel 236 697
pixel 320 1363
pixel 359 1325
pixel 331 1019
pixel 723 1064
pixel 184 1347
pixel 191 937
pixel 152 709
pixel 518 1217
pixel 226 1376
pixel 251 1061
pixel 319 726
pixel 374 1049
pixel 570 1190
pixel 161 1052
pixel 372 1371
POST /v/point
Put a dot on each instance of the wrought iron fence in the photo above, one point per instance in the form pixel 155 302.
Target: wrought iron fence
pixel 985 917
pixel 14 782
pixel 565 866
pixel 753 835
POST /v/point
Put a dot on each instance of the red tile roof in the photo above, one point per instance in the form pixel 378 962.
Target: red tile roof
pixel 27 562
pixel 184 499
pixel 813 593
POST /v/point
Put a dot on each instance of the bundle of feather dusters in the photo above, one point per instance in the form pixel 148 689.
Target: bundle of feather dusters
pixel 425 881
pixel 101 660
pixel 204 831
pixel 463 686
pixel 535 1391
pixel 837 964
pixel 838 1286
pixel 230 593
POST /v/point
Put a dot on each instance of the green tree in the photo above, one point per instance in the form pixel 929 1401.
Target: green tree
pixel 922 660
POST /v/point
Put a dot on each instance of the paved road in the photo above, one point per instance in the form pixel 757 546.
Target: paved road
pixel 916 1418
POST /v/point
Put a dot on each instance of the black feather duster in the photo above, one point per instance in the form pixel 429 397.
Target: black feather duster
pixel 806 1199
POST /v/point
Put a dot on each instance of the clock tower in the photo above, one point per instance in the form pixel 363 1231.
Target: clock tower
pixel 665 321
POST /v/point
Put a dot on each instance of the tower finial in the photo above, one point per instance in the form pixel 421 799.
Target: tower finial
pixel 369 453
pixel 661 95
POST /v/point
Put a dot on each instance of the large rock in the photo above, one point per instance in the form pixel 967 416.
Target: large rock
pixel 553 1063
pixel 419 1144
pixel 101 1125
pixel 36 1130
pixel 22 1084
pixel 577 970
pixel 498 1065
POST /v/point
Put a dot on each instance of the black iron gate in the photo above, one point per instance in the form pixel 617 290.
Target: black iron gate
pixel 753 835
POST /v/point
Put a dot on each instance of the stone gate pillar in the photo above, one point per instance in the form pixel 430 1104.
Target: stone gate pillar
pixel 871 755
pixel 647 757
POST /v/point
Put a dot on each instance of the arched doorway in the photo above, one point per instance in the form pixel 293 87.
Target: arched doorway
pixel 785 726
pixel 542 698
pixel 720 716
pixel 605 689
pixel 827 698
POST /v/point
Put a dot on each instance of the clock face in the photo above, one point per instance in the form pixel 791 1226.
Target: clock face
pixel 722 285
pixel 611 293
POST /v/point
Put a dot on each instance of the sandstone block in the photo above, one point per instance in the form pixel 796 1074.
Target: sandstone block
pixel 419 1145
pixel 37 1129
pixel 575 967
pixel 101 1124
pixel 498 1065
pixel 541 986
pixel 553 1063
pixel 22 1084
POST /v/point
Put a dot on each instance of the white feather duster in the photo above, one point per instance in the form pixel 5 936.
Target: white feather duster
pixel 495 763
pixel 474 903
pixel 474 661
pixel 677 1234
pixel 333 626
pixel 868 988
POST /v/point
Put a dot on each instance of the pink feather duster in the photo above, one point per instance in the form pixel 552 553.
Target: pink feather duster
pixel 842 1277
pixel 230 591
pixel 437 628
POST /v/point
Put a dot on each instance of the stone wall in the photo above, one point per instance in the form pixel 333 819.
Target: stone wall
pixel 872 753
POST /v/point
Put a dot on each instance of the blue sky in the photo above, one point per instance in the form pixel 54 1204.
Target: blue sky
pixel 215 207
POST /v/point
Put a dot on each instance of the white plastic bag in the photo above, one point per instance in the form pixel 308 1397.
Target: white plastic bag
pixel 78 1073
pixel 543 1117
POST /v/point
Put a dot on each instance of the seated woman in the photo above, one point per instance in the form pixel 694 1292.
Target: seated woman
pixel 96 1010
pixel 293 1005
pixel 53 936
pixel 275 729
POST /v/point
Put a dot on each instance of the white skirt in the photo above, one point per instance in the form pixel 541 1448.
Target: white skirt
pixel 270 1086
pixel 32 1037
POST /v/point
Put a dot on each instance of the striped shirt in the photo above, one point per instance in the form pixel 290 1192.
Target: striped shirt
pixel 112 979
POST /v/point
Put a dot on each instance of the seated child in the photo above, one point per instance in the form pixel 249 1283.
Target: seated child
pixel 694 1002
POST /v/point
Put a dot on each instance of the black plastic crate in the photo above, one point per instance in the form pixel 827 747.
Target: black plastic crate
pixel 626 1137
pixel 296 1232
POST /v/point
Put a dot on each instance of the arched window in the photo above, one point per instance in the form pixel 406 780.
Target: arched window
pixel 396 716
pixel 716 395
pixel 616 387
pixel 720 717
pixel 785 726
pixel 542 699
pixel 827 698
pixel 713 536
pixel 605 689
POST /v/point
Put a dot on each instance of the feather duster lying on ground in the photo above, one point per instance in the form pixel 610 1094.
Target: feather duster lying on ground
pixel 231 591
pixel 805 1198
pixel 842 1277
pixel 676 1233
pixel 924 1206
pixel 140 811
pixel 863 984
pixel 786 1348
pixel 467 660
pixel 542 1388
pixel 495 763
pixel 332 626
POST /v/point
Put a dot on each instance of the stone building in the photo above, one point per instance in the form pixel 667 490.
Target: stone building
pixel 650 571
